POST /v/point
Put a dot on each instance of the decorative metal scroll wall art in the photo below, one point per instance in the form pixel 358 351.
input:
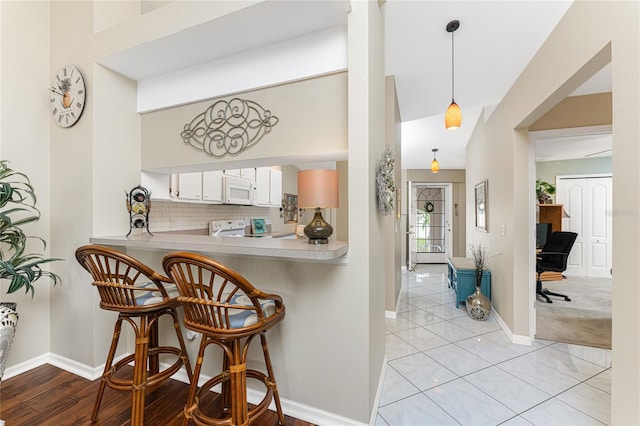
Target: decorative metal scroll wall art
pixel 139 206
pixel 229 127
pixel 385 185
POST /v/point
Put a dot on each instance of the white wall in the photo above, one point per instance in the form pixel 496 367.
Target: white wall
pixel 589 36
pixel 24 141
pixel 548 170
pixel 314 54
pixel 366 144
pixel 334 367
pixel 73 190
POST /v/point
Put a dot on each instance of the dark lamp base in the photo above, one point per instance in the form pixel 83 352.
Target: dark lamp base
pixel 318 241
pixel 318 230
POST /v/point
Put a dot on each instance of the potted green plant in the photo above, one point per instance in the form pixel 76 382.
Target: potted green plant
pixel 544 191
pixel 23 269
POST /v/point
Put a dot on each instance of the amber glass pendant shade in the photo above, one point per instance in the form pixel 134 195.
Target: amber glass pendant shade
pixel 453 117
pixel 435 166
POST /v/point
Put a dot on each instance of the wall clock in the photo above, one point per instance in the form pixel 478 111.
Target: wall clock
pixel 67 96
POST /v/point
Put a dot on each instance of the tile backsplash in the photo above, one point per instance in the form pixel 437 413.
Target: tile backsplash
pixel 172 216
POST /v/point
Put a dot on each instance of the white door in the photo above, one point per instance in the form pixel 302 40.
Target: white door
pixel 588 202
pixel 430 223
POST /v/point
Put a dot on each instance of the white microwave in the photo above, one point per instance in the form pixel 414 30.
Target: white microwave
pixel 238 190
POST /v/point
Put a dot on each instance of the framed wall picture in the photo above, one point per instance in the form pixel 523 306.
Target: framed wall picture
pixel 481 206
pixel 290 208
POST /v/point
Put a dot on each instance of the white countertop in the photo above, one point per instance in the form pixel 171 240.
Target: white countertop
pixel 277 248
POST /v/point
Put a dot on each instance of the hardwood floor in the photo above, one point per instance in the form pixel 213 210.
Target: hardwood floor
pixel 48 395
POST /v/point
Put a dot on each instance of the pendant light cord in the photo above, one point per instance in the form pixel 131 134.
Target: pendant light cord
pixel 452 67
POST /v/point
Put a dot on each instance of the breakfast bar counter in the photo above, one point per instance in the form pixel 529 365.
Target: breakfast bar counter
pixel 315 281
pixel 274 248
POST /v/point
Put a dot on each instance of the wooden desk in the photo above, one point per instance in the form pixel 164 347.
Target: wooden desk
pixel 549 275
pixel 551 213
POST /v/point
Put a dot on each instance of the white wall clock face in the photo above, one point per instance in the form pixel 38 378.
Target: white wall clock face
pixel 67 96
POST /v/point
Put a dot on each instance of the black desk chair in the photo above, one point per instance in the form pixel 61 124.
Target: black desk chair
pixel 543 231
pixel 553 258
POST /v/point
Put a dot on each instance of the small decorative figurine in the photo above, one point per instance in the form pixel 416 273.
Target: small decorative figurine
pixel 139 206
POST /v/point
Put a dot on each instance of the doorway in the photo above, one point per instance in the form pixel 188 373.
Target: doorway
pixel 582 174
pixel 430 213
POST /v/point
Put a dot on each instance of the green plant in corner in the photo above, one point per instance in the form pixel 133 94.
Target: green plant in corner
pixel 18 208
pixel 544 191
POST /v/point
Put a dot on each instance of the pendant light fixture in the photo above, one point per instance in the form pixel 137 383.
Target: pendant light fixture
pixel 435 167
pixel 453 116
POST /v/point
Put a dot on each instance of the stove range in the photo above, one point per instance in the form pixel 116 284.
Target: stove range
pixel 227 228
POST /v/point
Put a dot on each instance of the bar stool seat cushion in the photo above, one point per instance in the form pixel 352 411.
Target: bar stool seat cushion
pixel 154 296
pixel 239 318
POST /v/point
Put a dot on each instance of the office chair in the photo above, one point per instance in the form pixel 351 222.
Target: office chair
pixel 543 230
pixel 553 257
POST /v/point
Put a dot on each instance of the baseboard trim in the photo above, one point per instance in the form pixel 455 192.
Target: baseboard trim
pixel 515 338
pixel 64 363
pixel 290 408
pixel 75 367
pixel 25 366
pixel 522 340
pixel 390 314
pixel 376 404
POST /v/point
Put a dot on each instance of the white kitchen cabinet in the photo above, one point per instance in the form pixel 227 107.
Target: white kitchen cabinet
pixel 246 173
pixel 190 186
pixel 232 172
pixel 275 188
pixel 212 186
pixel 158 184
pixel 268 187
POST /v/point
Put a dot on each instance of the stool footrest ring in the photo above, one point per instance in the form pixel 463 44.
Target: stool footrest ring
pixel 255 412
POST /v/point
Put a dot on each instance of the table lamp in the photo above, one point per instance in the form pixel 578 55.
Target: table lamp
pixel 318 189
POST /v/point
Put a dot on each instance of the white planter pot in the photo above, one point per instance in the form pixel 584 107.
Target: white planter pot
pixel 8 323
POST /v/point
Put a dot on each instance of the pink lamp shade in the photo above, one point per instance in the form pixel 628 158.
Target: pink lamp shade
pixel 317 188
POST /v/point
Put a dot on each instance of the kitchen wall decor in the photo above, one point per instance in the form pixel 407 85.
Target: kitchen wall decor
pixel 258 226
pixel 289 209
pixel 67 96
pixel 139 206
pixel 385 185
pixel 229 128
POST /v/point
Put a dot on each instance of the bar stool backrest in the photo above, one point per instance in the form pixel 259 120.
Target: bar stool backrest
pixel 124 283
pixel 218 300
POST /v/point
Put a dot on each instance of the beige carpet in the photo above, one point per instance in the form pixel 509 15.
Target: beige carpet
pixel 586 320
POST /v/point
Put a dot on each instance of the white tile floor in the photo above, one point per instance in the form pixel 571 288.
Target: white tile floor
pixel 445 368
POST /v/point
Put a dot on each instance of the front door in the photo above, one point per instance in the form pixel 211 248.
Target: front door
pixel 429 223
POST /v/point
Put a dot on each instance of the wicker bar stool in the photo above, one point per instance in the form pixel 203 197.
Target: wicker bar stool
pixel 140 296
pixel 229 312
